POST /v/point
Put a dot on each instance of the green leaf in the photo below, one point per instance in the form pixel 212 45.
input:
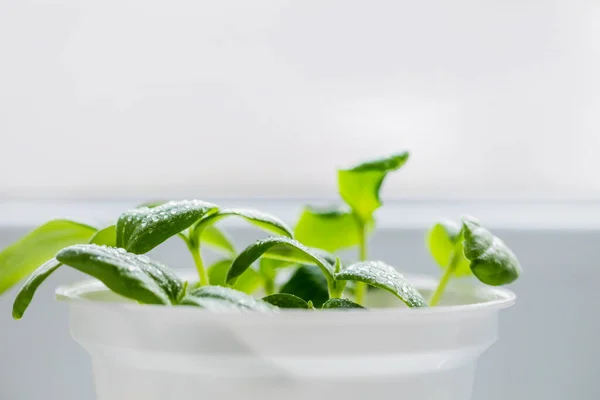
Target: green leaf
pixel 288 256
pixel 141 229
pixel 381 275
pixel 262 220
pixel 133 276
pixel 218 240
pixel 309 284
pixel 254 251
pixel 26 293
pixel 106 236
pixel 329 229
pixel 248 282
pixel 286 300
pixel 219 298
pixel 359 186
pixel 492 262
pixel 341 304
pixel 28 253
pixel 268 271
pixel 444 240
pixel 268 267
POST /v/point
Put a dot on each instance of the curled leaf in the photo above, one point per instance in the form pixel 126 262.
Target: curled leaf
pixel 359 186
pixel 262 220
pixel 133 276
pixel 286 300
pixel 30 286
pixel 218 298
pixel 141 229
pixel 381 275
pixel 256 250
pixel 288 256
pixel 492 262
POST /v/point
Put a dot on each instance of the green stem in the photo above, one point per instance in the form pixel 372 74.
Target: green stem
pixel 269 285
pixel 439 291
pixel 195 250
pixel 361 287
pixel 336 288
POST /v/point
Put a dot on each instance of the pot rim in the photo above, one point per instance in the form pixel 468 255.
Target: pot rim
pixel 492 299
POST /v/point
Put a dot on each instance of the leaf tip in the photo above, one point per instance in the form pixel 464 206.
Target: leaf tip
pixel 18 310
pixel 470 223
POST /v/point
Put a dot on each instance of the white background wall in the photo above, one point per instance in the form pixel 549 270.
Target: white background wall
pixel 119 98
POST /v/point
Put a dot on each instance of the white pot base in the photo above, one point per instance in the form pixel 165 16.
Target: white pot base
pixel 158 353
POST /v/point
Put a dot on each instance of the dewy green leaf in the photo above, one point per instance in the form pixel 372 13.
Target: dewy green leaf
pixel 492 262
pixel 341 304
pixel 286 300
pixel 24 256
pixel 141 229
pixel 218 298
pixel 288 256
pixel 381 275
pixel 444 241
pixel 133 276
pixel 248 282
pixel 262 220
pixel 359 186
pixel 329 229
pixel 309 284
pixel 218 240
pixel 106 236
pixel 26 293
pixel 256 250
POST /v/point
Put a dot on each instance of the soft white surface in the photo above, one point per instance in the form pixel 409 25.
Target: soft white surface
pixel 268 97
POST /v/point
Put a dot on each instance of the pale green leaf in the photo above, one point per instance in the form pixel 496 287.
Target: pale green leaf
pixel 25 255
pixel 218 240
pixel 106 236
pixel 329 229
pixel 444 241
pixel 248 282
pixel 359 186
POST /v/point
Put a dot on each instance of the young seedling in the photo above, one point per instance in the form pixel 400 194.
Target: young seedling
pixel 470 250
pixel 337 228
pixel 115 255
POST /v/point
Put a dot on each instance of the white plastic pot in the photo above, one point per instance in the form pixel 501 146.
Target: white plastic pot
pixel 158 353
